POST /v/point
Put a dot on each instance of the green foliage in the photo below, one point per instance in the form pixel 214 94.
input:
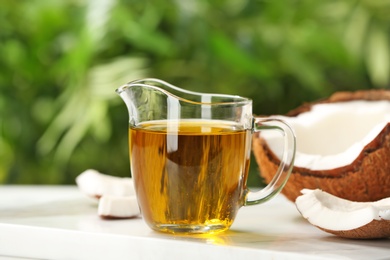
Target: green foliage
pixel 62 60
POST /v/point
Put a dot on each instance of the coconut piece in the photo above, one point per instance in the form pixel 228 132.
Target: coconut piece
pixel 345 218
pixel 343 147
pixel 113 207
pixel 96 184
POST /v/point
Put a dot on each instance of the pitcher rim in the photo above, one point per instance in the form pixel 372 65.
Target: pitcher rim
pixel 235 99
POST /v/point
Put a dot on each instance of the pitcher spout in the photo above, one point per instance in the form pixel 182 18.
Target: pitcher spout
pixel 148 99
pixel 126 95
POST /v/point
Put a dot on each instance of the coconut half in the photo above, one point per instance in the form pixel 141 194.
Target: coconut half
pixel 345 218
pixel 343 147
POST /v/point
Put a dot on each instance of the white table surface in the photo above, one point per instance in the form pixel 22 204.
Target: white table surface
pixel 59 222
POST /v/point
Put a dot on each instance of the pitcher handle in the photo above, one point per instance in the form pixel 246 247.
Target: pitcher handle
pixel 286 163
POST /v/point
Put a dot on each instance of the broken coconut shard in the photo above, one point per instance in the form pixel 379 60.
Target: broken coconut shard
pixel 96 184
pixel 345 218
pixel 116 195
pixel 343 147
pixel 113 207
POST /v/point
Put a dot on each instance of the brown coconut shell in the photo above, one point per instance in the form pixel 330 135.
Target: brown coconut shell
pixel 366 179
pixel 376 229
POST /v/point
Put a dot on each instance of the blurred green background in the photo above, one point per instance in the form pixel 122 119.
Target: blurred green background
pixel 61 60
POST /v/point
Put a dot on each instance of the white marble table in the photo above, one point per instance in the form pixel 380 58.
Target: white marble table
pixel 58 222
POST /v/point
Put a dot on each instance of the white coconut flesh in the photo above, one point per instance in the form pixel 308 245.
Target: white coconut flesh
pixel 329 212
pixel 332 135
pixel 118 206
